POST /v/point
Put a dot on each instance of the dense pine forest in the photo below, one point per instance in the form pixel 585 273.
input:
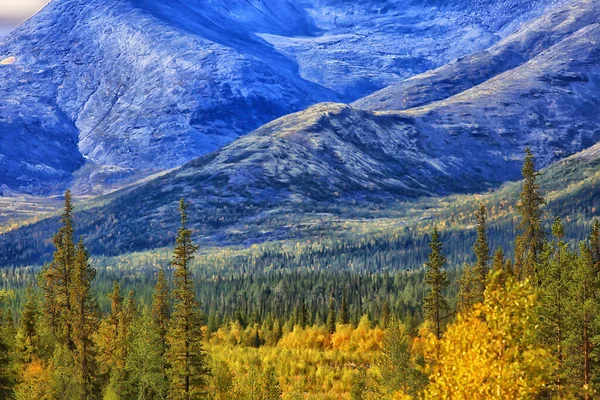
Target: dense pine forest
pixel 520 317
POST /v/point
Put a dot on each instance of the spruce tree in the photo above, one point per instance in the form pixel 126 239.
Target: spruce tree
pixel 530 242
pixel 28 338
pixel 161 315
pixel 468 294
pixel 160 306
pixel 594 240
pixel 554 275
pixel 344 314
pixel 502 268
pixel 145 363
pixel 482 254
pixel 6 373
pixel 115 341
pixel 498 261
pixel 435 305
pixel 398 368
pixel 583 314
pixel 6 379
pixel 188 367
pixel 331 315
pixel 84 320
pixel 56 277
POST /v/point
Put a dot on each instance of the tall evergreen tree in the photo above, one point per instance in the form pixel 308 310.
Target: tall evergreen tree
pixel 468 294
pixel 501 267
pixel 56 277
pixel 583 313
pixel 6 379
pixel 331 315
pixel 554 274
pixel 594 239
pixel 434 304
pixel 6 373
pixel 161 315
pixel 114 341
pixel 482 253
pixel 344 314
pixel 530 242
pixel 145 363
pixel 160 306
pixel 188 366
pixel 28 338
pixel 84 319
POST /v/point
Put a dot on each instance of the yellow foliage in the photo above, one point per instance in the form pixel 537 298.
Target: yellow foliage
pixel 362 339
pixel 399 395
pixel 315 337
pixel 35 381
pixel 310 362
pixel 488 353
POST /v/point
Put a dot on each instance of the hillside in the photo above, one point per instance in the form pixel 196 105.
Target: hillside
pixel 389 232
pixel 129 88
pixel 340 159
pixel 528 42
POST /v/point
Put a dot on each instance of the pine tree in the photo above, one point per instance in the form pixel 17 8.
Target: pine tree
pixel 302 318
pixel 594 240
pixel 530 243
pixel 583 313
pixel 6 381
pixel 554 272
pixel 482 254
pixel 434 304
pixel 344 314
pixel 28 339
pixel 6 373
pixel 84 320
pixel 331 315
pixel 145 364
pixel 114 342
pixel 468 294
pixel 385 314
pixel 398 368
pixel 186 357
pixel 161 315
pixel 160 306
pixel 501 267
pixel 56 277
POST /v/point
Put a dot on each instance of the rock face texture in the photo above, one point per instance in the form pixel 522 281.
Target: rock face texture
pixel 529 42
pixel 129 87
pixel 470 141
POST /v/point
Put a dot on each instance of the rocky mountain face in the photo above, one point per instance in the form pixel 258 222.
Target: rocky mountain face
pixel 130 87
pixel 468 142
pixel 530 41
pixel 334 157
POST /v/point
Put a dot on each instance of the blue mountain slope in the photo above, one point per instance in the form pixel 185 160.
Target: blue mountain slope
pixel 129 87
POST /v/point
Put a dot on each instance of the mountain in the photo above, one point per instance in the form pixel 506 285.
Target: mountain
pixel 339 159
pixel 528 42
pixel 131 87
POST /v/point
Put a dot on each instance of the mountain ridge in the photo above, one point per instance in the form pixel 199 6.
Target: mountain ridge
pixel 133 87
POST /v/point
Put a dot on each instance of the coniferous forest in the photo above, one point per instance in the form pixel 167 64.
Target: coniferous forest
pixel 522 324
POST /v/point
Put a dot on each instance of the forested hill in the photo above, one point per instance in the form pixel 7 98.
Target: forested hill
pixel 384 235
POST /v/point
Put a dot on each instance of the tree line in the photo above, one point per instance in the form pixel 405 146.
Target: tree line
pixel 525 326
pixel 66 349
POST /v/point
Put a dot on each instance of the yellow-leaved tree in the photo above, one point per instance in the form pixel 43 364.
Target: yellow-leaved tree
pixel 489 352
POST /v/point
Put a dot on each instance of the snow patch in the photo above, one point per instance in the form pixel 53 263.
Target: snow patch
pixel 8 61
